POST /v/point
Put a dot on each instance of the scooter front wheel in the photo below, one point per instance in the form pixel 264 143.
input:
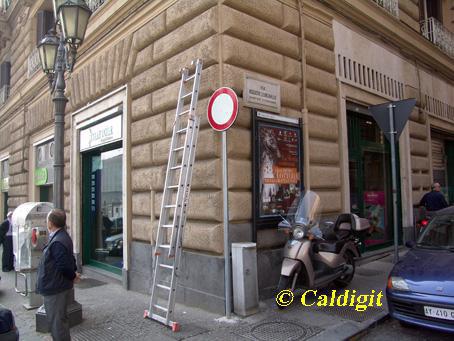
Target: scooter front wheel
pixel 284 284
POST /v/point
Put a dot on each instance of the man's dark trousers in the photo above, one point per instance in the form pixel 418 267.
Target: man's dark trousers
pixel 57 317
pixel 8 256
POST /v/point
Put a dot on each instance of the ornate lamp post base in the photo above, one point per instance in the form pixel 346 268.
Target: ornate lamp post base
pixel 74 315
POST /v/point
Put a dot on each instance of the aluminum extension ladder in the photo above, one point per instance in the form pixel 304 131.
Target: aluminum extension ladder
pixel 175 199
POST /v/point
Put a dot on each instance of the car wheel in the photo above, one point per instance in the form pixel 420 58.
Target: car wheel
pixel 345 280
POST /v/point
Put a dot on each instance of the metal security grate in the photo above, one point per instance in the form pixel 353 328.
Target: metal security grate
pixel 278 330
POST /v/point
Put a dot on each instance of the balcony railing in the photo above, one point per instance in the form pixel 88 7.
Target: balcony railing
pixel 434 31
pixel 94 4
pixel 392 6
pixel 4 93
pixel 4 4
pixel 33 63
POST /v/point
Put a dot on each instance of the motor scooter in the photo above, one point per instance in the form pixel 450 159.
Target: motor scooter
pixel 313 259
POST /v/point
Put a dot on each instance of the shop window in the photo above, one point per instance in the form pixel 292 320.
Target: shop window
pixel 4 186
pixel 44 171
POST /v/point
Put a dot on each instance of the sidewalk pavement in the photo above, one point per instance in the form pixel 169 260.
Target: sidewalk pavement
pixel 110 312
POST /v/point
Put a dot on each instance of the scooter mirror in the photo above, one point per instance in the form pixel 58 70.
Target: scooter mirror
pixel 284 224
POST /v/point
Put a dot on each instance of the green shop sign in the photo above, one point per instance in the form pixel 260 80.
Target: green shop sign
pixel 40 176
pixel 4 184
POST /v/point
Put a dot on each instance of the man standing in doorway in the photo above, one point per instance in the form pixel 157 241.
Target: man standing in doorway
pixel 434 200
pixel 56 275
pixel 6 237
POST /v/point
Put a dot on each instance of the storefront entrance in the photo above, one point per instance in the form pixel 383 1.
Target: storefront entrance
pixel 102 206
pixel 370 178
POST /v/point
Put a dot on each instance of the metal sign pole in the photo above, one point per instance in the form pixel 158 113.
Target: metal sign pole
pixel 227 272
pixel 392 134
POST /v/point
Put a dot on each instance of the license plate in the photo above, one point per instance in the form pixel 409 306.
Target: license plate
pixel 446 314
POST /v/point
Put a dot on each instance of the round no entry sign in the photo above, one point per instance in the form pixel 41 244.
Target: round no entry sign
pixel 222 109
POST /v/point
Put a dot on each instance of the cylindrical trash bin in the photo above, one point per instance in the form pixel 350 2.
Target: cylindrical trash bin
pixel 245 286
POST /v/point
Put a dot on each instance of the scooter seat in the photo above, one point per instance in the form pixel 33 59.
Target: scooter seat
pixel 330 246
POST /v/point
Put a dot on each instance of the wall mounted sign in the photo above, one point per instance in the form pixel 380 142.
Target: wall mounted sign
pixel 262 93
pixel 102 133
pixel 41 176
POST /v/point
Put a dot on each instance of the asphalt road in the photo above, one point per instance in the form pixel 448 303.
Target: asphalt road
pixel 392 330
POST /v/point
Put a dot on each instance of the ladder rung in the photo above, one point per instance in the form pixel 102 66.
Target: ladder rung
pixel 167 225
pixel 176 167
pixel 190 77
pixel 160 307
pixel 172 186
pixel 164 246
pixel 170 206
pixel 178 149
pixel 158 318
pixel 165 266
pixel 182 130
pixel 187 95
pixel 184 112
pixel 163 286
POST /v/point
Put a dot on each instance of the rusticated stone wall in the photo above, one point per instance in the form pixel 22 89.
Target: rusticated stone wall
pixel 419 150
pixel 322 104
pixel 12 141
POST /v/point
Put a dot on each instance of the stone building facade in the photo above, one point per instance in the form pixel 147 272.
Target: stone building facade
pixel 329 59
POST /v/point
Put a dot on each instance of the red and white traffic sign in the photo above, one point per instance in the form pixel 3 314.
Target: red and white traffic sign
pixel 222 109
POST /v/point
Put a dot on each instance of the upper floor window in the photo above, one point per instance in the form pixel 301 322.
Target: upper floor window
pixel 5 75
pixel 431 9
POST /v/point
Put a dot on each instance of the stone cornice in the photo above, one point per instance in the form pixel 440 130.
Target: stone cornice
pixel 376 20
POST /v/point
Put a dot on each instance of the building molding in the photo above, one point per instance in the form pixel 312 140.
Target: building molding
pixel 373 19
pixel 92 113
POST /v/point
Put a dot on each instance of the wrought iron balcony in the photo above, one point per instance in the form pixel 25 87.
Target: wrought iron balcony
pixel 4 93
pixel 4 4
pixel 392 6
pixel 439 35
pixel 94 4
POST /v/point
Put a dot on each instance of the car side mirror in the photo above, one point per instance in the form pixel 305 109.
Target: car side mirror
pixel 410 244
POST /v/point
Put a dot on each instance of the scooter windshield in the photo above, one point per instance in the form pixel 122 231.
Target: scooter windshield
pixel 308 209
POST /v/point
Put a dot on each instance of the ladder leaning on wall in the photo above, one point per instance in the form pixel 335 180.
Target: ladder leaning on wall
pixel 175 199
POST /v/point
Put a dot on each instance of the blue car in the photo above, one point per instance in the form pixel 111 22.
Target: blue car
pixel 420 289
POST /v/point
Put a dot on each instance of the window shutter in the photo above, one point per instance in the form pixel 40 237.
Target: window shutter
pixel 5 74
pixel 45 21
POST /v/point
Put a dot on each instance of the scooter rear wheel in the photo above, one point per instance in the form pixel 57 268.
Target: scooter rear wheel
pixel 284 284
pixel 345 280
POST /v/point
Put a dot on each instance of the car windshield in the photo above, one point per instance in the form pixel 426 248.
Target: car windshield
pixel 439 233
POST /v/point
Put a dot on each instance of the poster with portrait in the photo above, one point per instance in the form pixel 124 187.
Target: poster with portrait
pixel 374 203
pixel 278 168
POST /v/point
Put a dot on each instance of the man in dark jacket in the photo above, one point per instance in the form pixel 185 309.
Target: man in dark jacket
pixel 434 200
pixel 6 237
pixel 56 275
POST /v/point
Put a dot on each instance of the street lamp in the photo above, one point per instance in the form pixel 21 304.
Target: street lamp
pixel 57 55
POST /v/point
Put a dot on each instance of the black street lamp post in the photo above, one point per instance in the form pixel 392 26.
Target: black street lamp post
pixel 58 55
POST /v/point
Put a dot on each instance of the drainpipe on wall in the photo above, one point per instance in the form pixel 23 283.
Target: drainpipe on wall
pixel 304 111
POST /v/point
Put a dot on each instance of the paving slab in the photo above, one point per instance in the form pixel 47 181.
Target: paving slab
pixel 110 312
